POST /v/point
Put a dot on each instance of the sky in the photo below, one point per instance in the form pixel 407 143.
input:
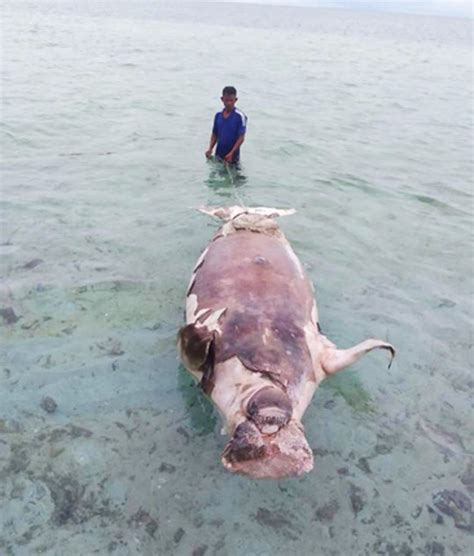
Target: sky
pixel 461 8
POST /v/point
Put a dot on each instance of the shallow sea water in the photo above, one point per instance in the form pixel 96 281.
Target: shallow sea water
pixel 360 121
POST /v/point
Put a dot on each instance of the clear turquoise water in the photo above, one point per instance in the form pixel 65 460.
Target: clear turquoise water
pixel 360 121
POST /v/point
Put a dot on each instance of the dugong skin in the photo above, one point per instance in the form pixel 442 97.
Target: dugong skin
pixel 253 341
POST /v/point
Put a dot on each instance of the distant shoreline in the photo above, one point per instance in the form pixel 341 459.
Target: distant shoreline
pixel 444 8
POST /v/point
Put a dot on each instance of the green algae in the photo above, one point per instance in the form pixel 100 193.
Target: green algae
pixel 200 410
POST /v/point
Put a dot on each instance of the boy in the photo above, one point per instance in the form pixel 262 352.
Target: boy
pixel 229 129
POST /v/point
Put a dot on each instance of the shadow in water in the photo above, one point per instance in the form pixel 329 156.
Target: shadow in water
pixel 350 387
pixel 225 178
pixel 201 412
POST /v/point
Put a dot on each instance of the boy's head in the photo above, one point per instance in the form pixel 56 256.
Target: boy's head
pixel 229 97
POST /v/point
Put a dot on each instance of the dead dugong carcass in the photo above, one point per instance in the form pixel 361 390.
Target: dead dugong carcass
pixel 252 339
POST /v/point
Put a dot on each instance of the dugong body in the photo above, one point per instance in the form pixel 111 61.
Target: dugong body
pixel 252 340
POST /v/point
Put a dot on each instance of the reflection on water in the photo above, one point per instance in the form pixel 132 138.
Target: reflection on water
pixel 225 179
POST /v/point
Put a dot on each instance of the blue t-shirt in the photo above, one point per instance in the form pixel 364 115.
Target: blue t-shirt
pixel 228 130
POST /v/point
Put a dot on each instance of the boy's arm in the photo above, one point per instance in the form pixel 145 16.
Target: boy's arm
pixel 212 144
pixel 238 143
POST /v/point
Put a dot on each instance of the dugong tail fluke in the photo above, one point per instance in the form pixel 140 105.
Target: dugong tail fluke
pixel 229 213
pixel 253 341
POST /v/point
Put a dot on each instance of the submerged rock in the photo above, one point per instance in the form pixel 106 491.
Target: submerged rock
pixel 467 478
pixel 32 264
pixel 143 518
pixel 76 502
pixel 179 534
pixel 279 520
pixel 434 549
pixel 19 458
pixel 67 495
pixel 327 512
pixel 111 347
pixel 358 499
pixel 9 315
pixel 363 464
pixel 384 547
pixel 167 468
pixel 435 516
pixel 450 443
pixel 48 404
pixel 456 505
pixel 276 520
pixel 26 506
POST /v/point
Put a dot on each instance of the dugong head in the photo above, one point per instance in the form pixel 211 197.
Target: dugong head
pixel 284 453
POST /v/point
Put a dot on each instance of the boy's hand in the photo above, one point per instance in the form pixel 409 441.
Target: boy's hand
pixel 228 157
pixel 209 153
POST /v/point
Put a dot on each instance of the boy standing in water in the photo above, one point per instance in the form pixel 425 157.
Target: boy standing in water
pixel 229 129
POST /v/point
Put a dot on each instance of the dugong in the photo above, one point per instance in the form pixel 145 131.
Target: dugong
pixel 253 341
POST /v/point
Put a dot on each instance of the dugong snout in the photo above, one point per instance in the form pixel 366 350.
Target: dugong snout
pixel 270 409
pixel 285 453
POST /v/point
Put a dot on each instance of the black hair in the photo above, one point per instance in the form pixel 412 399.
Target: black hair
pixel 229 90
